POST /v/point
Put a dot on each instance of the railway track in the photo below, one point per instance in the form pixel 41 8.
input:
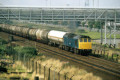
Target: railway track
pixel 91 58
pixel 90 61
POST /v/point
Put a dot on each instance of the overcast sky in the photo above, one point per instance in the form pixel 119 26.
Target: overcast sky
pixel 63 3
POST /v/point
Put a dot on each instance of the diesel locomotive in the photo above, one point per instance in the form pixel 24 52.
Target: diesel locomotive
pixel 79 44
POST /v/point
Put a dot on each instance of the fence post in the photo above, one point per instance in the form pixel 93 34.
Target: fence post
pixel 24 59
pixel 36 67
pixel 94 51
pixel 98 52
pixel 112 57
pixel 54 74
pixel 59 74
pixel 49 73
pixel 39 68
pixel 104 51
pixel 107 55
pixel 44 71
pixel 117 58
pixel 32 65
pixel 101 52
pixel 29 64
pixel 65 75
pixel 71 77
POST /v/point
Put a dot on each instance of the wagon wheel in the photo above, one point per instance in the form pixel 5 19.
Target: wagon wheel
pixel 67 48
pixel 60 46
pixel 63 47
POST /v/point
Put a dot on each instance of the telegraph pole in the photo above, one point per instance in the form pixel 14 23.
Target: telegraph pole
pixel 115 31
pixel 101 34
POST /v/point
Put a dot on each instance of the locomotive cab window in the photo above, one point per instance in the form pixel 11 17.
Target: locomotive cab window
pixel 81 40
pixel 85 39
pixel 89 40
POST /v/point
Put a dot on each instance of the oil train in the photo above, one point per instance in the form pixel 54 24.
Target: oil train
pixel 78 44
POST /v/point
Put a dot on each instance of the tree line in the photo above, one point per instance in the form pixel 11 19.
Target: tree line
pixel 93 24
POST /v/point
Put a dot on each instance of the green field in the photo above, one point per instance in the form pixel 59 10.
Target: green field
pixel 96 35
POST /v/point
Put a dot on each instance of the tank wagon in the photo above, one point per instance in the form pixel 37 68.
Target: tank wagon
pixel 32 33
pixel 3 27
pixel 42 35
pixel 56 37
pixel 25 32
pixel 18 30
pixel 79 44
pixel 12 29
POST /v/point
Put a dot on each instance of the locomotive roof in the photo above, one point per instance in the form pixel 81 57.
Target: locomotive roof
pixel 83 36
pixel 72 35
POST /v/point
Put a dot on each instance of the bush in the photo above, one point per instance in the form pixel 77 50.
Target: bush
pixel 2 21
pixel 91 24
pixel 83 24
pixel 10 50
pixel 29 50
pixel 3 46
pixel 80 31
pixel 2 41
pixel 2 49
pixel 26 50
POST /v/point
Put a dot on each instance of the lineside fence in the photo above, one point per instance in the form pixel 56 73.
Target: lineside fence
pixel 100 51
pixel 42 71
